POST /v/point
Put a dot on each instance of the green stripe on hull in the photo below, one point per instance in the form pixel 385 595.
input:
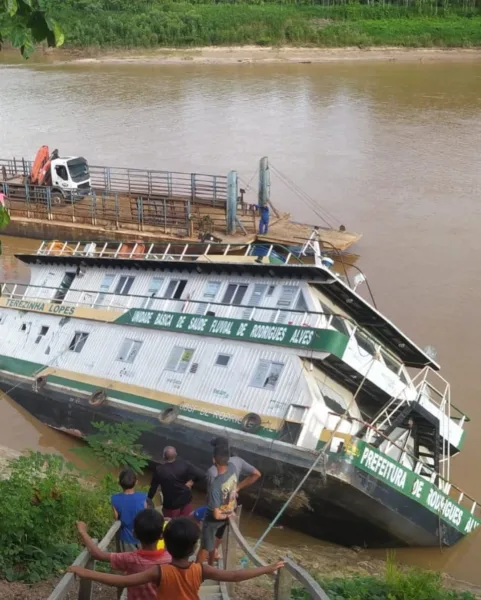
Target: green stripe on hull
pixel 308 338
pixel 20 367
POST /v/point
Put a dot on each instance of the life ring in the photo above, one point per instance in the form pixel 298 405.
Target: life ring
pixel 251 423
pixel 98 398
pixel 169 415
pixel 39 383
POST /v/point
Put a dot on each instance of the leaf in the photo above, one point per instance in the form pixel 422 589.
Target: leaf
pixel 12 7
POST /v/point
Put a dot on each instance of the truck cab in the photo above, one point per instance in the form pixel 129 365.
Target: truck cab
pixel 70 177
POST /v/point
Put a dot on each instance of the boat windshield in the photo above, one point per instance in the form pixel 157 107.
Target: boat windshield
pixel 78 168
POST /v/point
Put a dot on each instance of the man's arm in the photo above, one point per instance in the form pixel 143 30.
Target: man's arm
pixel 240 574
pixel 149 576
pixel 249 480
pixel 154 484
pixel 245 468
pixel 94 550
pixel 219 515
pixel 193 473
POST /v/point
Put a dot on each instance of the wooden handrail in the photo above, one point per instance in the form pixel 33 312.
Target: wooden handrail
pixel 283 578
pixel 83 560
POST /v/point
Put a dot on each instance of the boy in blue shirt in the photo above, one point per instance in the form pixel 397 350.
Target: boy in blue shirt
pixel 126 506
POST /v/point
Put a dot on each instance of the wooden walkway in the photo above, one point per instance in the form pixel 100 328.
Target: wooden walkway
pixel 233 543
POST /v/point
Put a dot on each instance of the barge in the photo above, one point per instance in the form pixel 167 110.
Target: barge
pixel 283 356
pixel 67 196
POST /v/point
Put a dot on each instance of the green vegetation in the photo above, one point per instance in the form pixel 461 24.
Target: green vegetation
pixel 395 584
pixel 154 23
pixel 45 495
pixel 116 446
pixel 39 504
pixel 25 23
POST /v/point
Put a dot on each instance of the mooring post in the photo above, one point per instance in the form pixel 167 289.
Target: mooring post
pixel 264 193
pixel 283 585
pixel 85 587
pixel 230 553
pixel 231 201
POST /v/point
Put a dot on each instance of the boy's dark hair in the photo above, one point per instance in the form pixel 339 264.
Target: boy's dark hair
pixel 149 526
pixel 219 441
pixel 127 479
pixel 221 456
pixel 181 535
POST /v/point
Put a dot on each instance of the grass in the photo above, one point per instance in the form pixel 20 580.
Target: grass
pixel 118 24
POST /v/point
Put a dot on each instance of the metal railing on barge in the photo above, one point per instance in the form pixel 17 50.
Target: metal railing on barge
pixel 199 188
pixel 232 542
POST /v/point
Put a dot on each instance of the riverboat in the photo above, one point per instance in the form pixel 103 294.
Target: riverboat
pixel 284 357
pixel 130 204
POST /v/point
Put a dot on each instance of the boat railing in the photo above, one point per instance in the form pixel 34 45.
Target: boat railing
pixel 419 466
pixel 167 250
pixel 199 188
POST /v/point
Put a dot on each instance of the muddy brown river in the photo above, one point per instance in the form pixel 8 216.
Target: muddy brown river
pixel 390 149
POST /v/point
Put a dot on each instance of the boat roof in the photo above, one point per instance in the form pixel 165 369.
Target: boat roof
pixel 365 315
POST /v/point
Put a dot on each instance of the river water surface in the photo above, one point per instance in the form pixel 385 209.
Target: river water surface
pixel 391 149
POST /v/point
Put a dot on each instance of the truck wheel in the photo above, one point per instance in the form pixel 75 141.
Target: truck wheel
pixel 57 198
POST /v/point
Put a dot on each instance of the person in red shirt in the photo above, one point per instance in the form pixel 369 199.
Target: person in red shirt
pixel 148 529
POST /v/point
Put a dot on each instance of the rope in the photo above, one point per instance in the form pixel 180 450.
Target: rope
pixel 308 200
pixel 317 460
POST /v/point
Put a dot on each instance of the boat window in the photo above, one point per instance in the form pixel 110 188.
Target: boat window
pixel 124 285
pixel 25 327
pixel 129 350
pixel 104 288
pixel 180 359
pixel 175 288
pixel 42 333
pixel 390 362
pixel 267 375
pixel 301 303
pixel 365 343
pixel 287 296
pixel 255 298
pixel 234 293
pixel 155 285
pixel 210 292
pixel 271 290
pixel 222 360
pixel 337 322
pixel 78 341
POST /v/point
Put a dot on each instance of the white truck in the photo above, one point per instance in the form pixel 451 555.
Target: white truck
pixel 67 177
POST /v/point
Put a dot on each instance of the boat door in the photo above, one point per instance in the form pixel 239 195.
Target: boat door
pixel 65 285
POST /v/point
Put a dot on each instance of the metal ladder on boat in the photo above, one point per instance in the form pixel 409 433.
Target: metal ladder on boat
pixel 432 448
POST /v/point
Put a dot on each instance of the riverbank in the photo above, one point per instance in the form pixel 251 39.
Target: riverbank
pixel 267 55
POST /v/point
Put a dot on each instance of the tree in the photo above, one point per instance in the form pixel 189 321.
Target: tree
pixel 26 23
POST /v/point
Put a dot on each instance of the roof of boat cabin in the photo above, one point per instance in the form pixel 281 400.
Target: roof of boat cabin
pixel 359 309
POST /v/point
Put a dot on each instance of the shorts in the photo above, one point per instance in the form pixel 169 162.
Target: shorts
pixel 183 511
pixel 210 531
